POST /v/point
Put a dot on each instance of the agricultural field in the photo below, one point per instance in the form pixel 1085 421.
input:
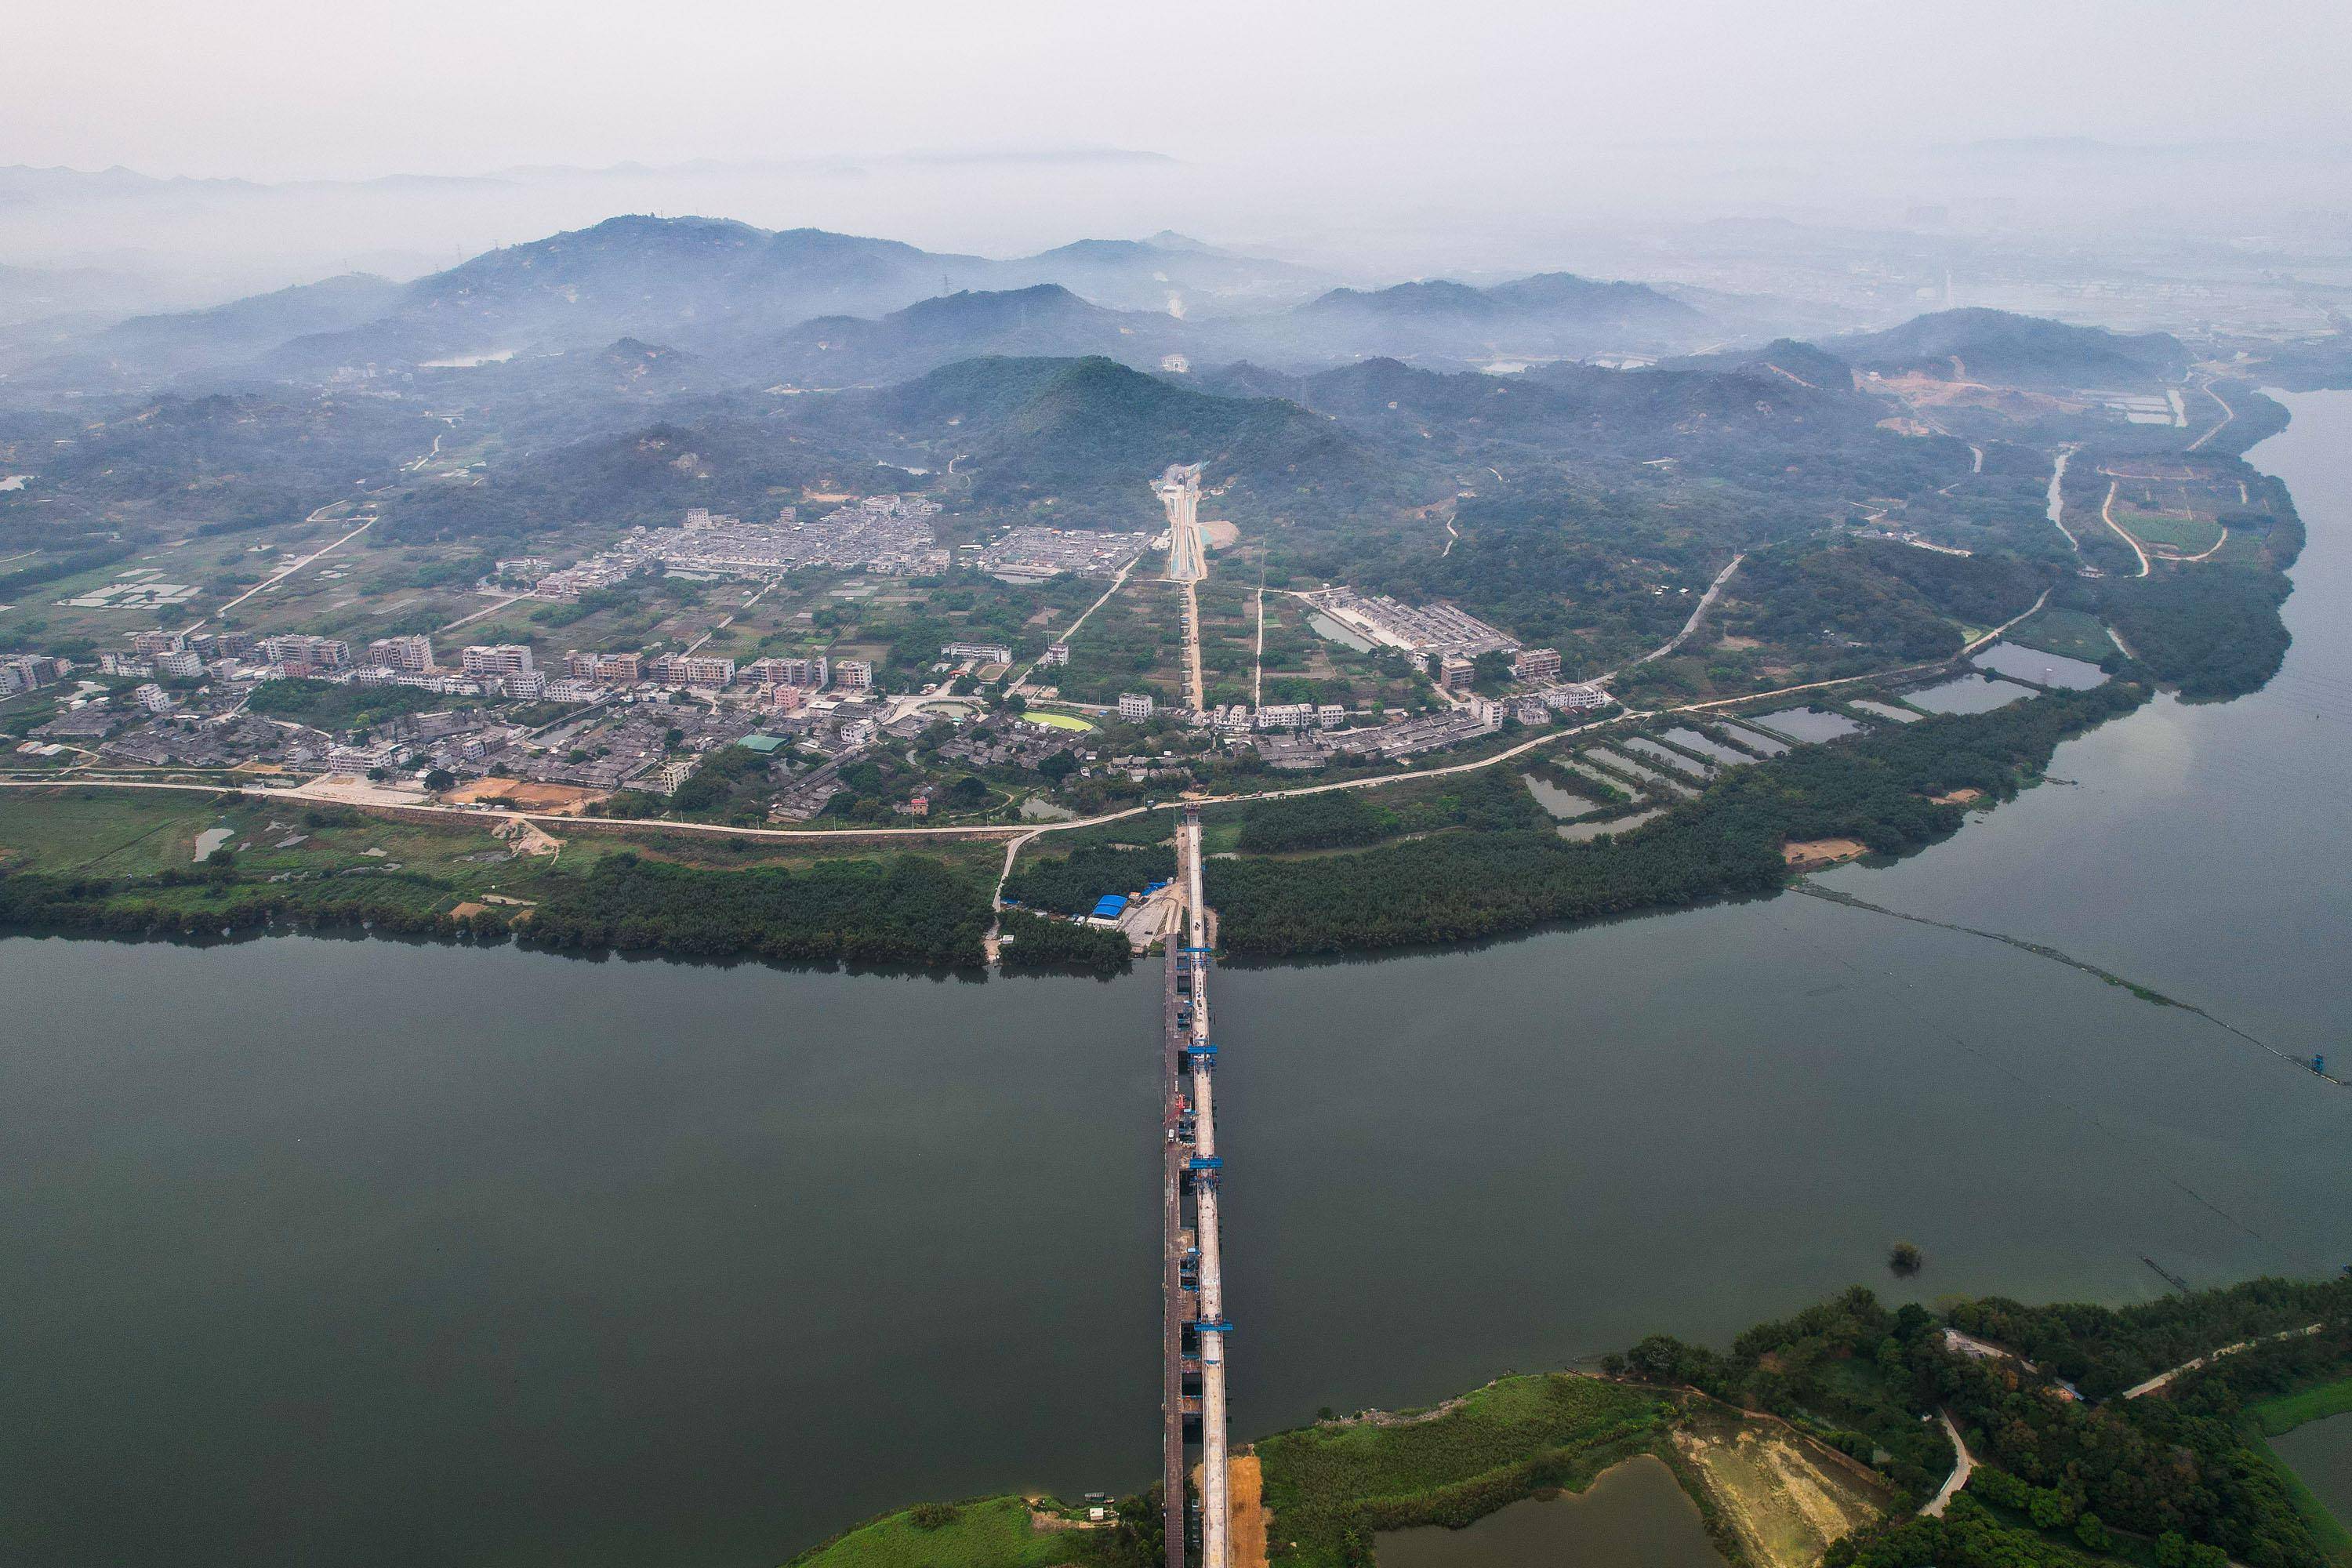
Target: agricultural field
pixel 2073 634
pixel 1134 643
pixel 2176 531
pixel 1228 638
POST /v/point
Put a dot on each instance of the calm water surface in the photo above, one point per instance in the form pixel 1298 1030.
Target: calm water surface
pixel 1636 1516
pixel 2321 1453
pixel 1968 694
pixel 366 1253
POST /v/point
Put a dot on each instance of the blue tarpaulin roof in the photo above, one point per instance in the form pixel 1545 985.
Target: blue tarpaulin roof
pixel 1108 908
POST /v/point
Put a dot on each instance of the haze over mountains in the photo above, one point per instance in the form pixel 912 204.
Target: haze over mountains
pixel 702 362
pixel 807 304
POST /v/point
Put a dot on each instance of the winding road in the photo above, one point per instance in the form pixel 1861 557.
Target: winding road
pixel 2107 516
pixel 1706 603
pixel 1964 1464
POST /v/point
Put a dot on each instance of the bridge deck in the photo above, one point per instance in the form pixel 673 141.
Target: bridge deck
pixel 1178 1305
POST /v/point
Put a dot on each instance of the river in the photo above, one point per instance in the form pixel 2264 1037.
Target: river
pixel 372 1253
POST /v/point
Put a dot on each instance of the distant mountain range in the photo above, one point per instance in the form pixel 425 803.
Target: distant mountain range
pixel 722 305
pixel 808 304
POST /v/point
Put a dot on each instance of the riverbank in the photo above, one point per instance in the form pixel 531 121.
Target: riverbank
pixel 1475 858
pixel 1812 1437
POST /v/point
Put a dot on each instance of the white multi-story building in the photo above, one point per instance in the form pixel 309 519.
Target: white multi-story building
pixel 410 655
pixel 525 685
pixel 694 669
pixel 365 759
pixel 296 651
pixel 180 663
pixel 1579 698
pixel 1057 653
pixel 153 698
pixel 605 668
pixel 494 658
pixel 1287 716
pixel 852 674
pixel 811 673
pixel 1135 706
pixel 978 652
pixel 1534 664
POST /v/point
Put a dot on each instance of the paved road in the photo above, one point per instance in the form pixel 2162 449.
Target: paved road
pixel 492 609
pixel 1706 601
pixel 1963 1463
pixel 1994 635
pixel 272 582
pixel 1209 1329
pixel 1116 584
pixel 2107 516
pixel 2228 414
pixel 2162 1379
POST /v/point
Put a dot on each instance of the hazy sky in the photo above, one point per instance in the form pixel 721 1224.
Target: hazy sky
pixel 279 89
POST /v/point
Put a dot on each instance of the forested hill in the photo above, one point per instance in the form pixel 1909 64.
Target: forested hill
pixel 1044 319
pixel 1579 407
pixel 1091 430
pixel 2026 350
pixel 1066 438
pixel 1443 321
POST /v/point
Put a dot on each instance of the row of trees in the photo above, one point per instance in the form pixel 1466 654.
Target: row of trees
pixel 1035 942
pixel 910 909
pixel 1456 886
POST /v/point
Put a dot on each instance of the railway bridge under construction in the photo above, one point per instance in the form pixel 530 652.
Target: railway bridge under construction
pixel 1193 1324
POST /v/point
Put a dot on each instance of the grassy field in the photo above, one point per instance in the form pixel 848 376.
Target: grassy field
pixel 2186 534
pixel 1331 1483
pixel 2290 1411
pixel 138 833
pixel 992 1532
pixel 1059 721
pixel 2071 634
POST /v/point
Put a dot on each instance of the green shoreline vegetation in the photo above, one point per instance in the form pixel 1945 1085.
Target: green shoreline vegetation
pixel 2068 1473
pixel 1466 856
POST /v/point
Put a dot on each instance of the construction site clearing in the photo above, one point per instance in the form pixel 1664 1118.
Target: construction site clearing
pixel 1811 854
pixel 1785 1496
pixel 1143 918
